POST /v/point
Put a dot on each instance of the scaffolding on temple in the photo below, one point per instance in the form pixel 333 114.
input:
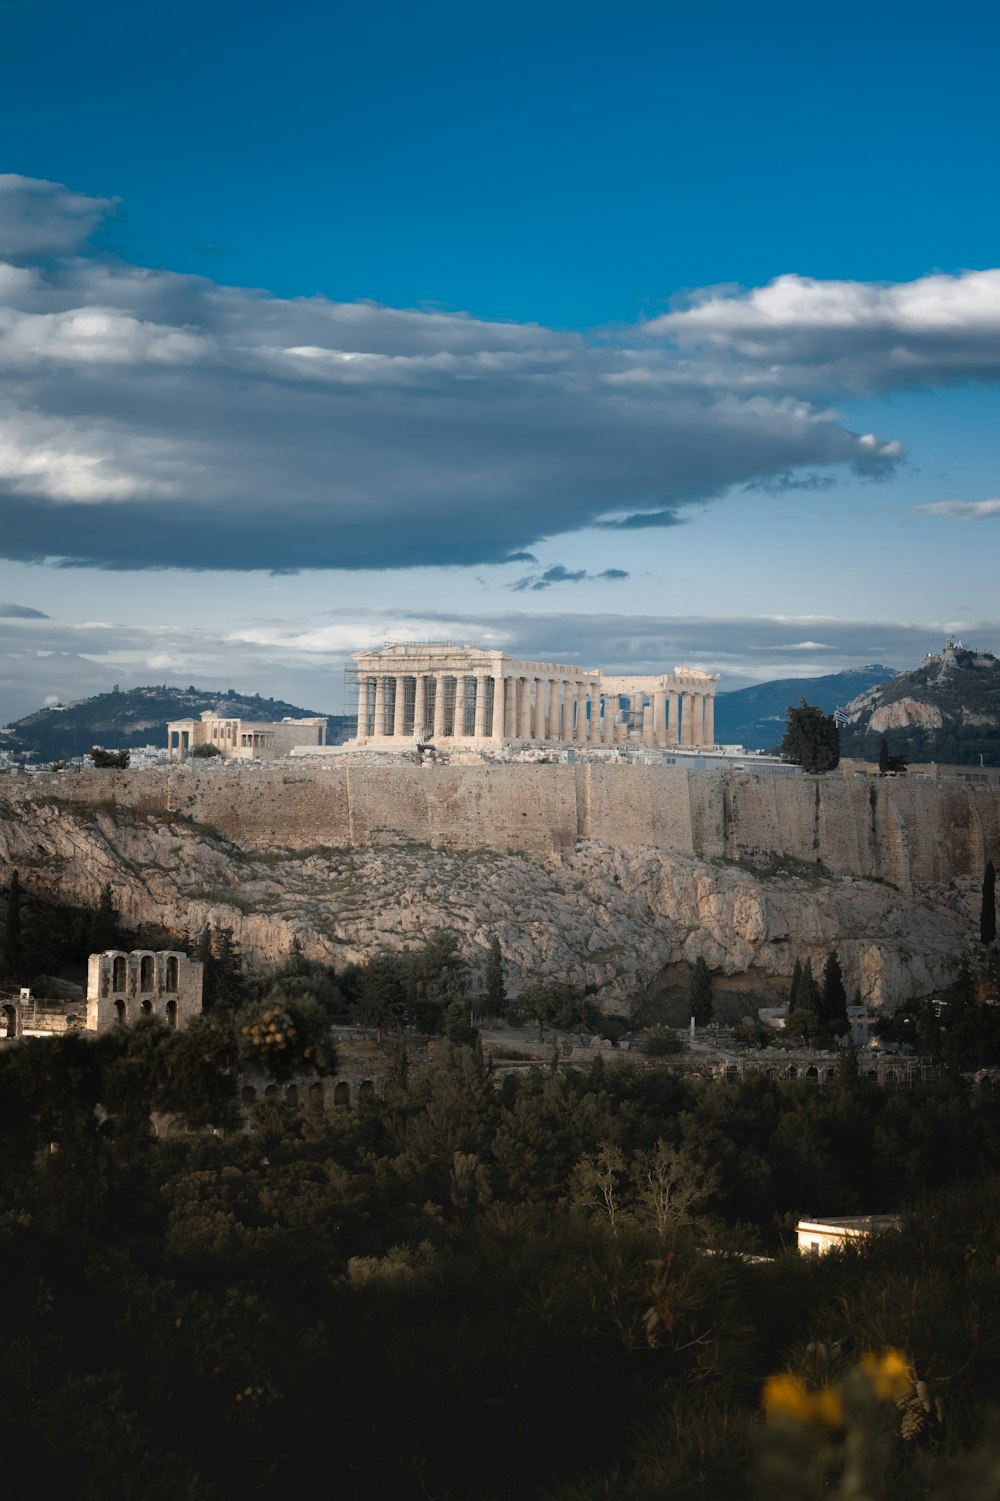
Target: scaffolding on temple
pixel 412 720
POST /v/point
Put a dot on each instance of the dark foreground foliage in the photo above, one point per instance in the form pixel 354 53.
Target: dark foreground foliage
pixel 462 1291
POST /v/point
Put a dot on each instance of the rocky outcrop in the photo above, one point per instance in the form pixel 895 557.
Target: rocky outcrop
pixel 600 916
pixel 904 713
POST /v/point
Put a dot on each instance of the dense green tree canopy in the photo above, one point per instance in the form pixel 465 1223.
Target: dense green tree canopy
pixel 811 738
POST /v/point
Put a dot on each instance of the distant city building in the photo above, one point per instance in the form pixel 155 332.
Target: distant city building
pixel 817 1237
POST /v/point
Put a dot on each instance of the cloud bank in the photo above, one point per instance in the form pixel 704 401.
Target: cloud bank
pixel 844 336
pixel 149 419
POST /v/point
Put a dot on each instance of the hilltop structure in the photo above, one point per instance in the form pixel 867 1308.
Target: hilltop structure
pixel 485 699
pixel 243 739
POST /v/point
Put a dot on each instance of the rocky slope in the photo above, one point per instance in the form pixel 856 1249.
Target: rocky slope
pixel 610 918
pixel 946 710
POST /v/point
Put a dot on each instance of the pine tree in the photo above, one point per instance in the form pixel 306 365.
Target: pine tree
pixel 700 993
pixel 12 941
pixel 988 910
pixel 833 1003
pixel 811 738
pixel 496 990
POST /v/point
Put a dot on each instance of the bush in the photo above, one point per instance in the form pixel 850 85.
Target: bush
pixel 660 1042
pixel 109 760
pixel 204 752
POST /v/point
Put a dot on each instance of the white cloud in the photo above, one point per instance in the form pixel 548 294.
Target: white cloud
pixel 961 510
pixel 849 336
pixel 206 426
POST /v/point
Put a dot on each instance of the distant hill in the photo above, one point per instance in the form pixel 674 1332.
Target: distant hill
pixel 755 717
pixel 946 710
pixel 139 717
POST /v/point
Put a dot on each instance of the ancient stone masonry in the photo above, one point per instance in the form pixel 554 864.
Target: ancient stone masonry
pixel 913 834
pixel 123 988
pixel 243 739
pixel 463 695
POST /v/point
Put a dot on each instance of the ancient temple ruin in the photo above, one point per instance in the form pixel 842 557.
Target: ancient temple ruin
pixel 485 699
pixel 122 988
pixel 243 739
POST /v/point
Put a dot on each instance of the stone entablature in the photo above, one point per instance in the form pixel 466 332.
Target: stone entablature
pixel 122 988
pixel 449 695
pixel 244 739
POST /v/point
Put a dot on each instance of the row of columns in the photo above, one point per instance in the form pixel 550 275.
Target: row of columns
pixel 179 743
pixel 493 707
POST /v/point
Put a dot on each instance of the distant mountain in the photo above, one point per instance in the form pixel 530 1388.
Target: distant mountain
pixel 755 717
pixel 139 717
pixel 946 710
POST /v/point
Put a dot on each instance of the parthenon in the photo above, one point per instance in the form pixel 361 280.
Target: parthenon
pixel 463 694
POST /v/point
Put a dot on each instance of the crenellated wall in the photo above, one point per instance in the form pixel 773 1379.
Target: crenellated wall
pixel 911 833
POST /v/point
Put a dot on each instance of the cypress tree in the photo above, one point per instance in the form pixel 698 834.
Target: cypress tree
pixel 809 995
pixel 496 990
pixel 834 997
pixel 12 939
pixel 104 926
pixel 796 986
pixel 883 757
pixel 700 993
pixel 988 910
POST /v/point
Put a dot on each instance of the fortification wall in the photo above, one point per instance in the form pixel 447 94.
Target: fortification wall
pixel 913 834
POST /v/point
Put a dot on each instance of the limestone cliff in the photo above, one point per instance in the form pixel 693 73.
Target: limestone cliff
pixel 596 914
pixel 946 710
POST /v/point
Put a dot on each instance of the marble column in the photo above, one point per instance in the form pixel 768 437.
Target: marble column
pixel 538 713
pixel 498 728
pixel 553 729
pixel 659 726
pixel 524 709
pixel 438 706
pixel 479 723
pixel 648 720
pixel 698 717
pixel 379 727
pixel 595 715
pixel 710 719
pixel 673 737
pixel 363 709
pixel 611 701
pixel 421 724
pixel 399 709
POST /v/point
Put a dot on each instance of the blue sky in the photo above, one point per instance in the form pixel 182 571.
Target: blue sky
pixel 326 324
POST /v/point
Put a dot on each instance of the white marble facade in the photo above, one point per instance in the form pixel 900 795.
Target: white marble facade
pixel 463 695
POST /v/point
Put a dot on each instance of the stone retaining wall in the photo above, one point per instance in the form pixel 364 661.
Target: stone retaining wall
pixel 912 834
